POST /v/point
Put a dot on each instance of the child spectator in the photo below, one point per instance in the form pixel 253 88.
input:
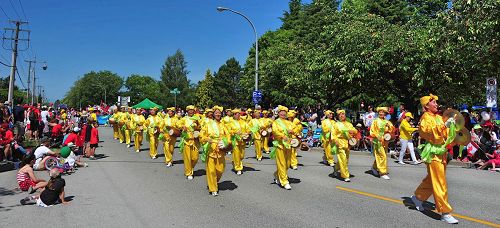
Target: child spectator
pixel 94 140
pixel 26 177
pixel 53 192
pixel 494 158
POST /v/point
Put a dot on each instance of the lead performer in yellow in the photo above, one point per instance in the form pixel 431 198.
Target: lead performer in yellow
pixel 297 129
pixel 216 139
pixel 121 117
pixel 326 128
pixel 256 126
pixel 379 127
pixel 115 117
pixel 153 124
pixel 282 151
pixel 189 143
pixel 129 125
pixel 268 122
pixel 342 132
pixel 239 130
pixel 169 122
pixel 139 121
pixel 438 135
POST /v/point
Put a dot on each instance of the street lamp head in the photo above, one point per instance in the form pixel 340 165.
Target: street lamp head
pixel 220 9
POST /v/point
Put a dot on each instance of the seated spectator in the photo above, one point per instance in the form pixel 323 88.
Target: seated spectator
pixel 53 192
pixel 42 154
pixel 494 158
pixel 72 137
pixel 26 177
pixel 6 138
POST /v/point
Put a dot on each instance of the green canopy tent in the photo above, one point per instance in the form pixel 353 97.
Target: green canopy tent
pixel 147 104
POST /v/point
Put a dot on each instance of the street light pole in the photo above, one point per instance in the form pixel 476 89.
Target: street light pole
pixel 221 9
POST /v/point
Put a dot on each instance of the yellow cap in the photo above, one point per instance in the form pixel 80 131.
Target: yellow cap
pixel 409 115
pixel 207 110
pixel 328 112
pixel 282 108
pixel 220 108
pixel 236 110
pixel 249 110
pixel 190 107
pixel 426 99
pixel 171 109
pixel 265 112
pixel 154 108
pixel 290 114
pixel 340 111
pixel 385 109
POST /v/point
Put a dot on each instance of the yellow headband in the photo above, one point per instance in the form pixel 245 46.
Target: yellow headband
pixel 328 112
pixel 290 114
pixel 340 111
pixel 190 107
pixel 426 99
pixel 218 108
pixel 282 108
pixel 171 109
pixel 236 110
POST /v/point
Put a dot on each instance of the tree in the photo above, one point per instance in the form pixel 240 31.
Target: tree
pixel 226 84
pixel 174 75
pixel 204 91
pixel 142 87
pixel 93 87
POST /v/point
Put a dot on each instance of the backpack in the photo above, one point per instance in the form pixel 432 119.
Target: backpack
pixel 32 116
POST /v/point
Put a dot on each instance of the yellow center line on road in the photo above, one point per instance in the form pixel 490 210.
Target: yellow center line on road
pixel 401 202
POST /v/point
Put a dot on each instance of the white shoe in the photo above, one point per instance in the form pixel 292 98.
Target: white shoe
pixel 287 187
pixel 259 159
pixel 137 151
pixel 416 163
pixel 228 153
pixel 276 181
pixel 128 145
pixel 215 194
pixel 347 180
pixel 332 164
pixel 154 157
pixel 85 165
pixel 190 177
pixel 418 203
pixel 449 219
pixel 238 173
pixel 401 163
pixel 169 164
pixel 385 177
pixel 294 167
pixel 374 171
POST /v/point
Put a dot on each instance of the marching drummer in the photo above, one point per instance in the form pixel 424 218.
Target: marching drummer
pixel 217 139
pixel 121 116
pixel 228 118
pixel 114 122
pixel 327 127
pixel 239 134
pixel 268 126
pixel 129 125
pixel 342 132
pixel 380 128
pixel 282 151
pixel 153 124
pixel 139 121
pixel 256 127
pixel 297 129
pixel 189 144
pixel 170 134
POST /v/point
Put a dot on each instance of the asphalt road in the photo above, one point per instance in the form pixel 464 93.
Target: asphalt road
pixel 127 189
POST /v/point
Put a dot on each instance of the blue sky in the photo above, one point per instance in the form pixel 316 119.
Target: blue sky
pixel 131 36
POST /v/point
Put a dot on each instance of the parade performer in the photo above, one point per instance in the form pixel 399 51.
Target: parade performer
pixel 326 131
pixel 121 124
pixel 342 132
pixel 215 138
pixel 438 134
pixel 256 127
pixel 115 117
pixel 228 118
pixel 297 129
pixel 282 151
pixel 268 122
pixel 129 125
pixel 169 122
pixel 379 127
pixel 139 121
pixel 189 143
pixel 153 126
pixel 239 131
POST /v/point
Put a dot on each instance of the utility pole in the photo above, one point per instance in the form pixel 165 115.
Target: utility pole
pixel 29 79
pixel 39 94
pixel 14 56
pixel 34 84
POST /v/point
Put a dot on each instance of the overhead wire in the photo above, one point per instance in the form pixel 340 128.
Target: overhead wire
pixel 4 12
pixel 14 8
pixel 22 10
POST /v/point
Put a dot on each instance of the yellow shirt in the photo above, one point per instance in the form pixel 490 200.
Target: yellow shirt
pixel 326 127
pixel 433 130
pixel 215 132
pixel 238 127
pixel 138 120
pixel 256 124
pixel 227 120
pixel 152 123
pixel 191 125
pixel 405 130
pixel 342 138
pixel 281 134
pixel 376 128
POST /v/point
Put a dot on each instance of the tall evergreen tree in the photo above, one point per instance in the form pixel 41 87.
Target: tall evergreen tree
pixel 174 75
pixel 226 83
pixel 204 91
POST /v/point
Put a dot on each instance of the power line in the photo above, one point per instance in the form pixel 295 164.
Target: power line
pixel 20 79
pixel 5 64
pixel 22 10
pixel 14 8
pixel 4 12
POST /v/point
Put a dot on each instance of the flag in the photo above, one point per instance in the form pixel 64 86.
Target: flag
pixel 472 148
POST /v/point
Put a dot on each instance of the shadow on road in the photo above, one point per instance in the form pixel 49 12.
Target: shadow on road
pixel 293 180
pixel 178 162
pixel 245 169
pixel 427 205
pixel 199 173
pixel 369 172
pixel 227 185
pixel 100 156
pixel 8 192
pixel 338 177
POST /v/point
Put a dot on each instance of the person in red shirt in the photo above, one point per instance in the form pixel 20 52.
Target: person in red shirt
pixel 72 137
pixel 6 138
pixel 94 140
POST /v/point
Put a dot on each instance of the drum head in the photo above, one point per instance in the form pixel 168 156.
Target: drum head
pixel 353 141
pixel 387 137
